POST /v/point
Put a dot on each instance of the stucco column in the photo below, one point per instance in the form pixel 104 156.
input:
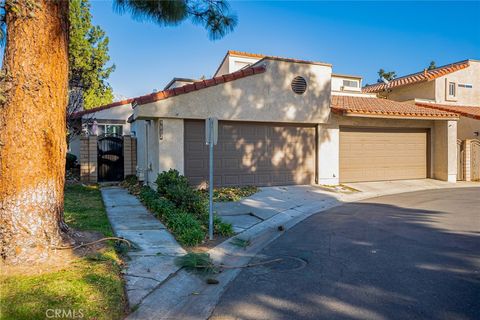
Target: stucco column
pixel 328 153
pixel 171 144
pixel 445 151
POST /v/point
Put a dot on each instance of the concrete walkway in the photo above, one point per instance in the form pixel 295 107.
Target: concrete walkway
pixel 273 211
pixel 152 261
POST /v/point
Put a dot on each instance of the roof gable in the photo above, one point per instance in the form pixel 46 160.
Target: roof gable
pixel 425 75
pixel 199 85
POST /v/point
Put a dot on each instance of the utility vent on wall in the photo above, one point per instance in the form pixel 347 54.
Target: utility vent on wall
pixel 299 85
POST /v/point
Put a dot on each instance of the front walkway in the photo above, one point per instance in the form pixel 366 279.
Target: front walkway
pixel 152 260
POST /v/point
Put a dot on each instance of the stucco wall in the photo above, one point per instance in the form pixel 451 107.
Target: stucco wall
pixel 171 151
pixel 467 127
pixel 266 97
pixel 159 152
pixel 445 151
pixel 423 90
pixel 465 96
pixel 119 113
pixel 328 154
pixel 337 83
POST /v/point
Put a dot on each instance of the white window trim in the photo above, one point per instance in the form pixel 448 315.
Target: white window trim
pixel 449 97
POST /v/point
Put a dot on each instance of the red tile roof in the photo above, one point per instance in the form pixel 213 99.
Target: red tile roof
pixel 466 111
pixel 382 107
pixel 425 75
pixel 198 85
pixel 104 107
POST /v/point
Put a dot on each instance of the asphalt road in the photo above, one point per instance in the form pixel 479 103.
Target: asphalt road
pixel 408 256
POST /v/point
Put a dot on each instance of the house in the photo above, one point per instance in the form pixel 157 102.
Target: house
pixel 452 88
pixel 288 121
pixel 103 143
pixel 108 119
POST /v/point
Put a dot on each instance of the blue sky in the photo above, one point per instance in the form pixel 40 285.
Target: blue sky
pixel 356 37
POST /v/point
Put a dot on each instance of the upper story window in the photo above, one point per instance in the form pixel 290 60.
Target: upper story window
pixel 350 83
pixel 450 90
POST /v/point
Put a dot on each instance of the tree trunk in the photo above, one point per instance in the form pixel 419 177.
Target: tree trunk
pixel 32 129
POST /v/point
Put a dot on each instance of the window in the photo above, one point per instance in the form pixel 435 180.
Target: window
pixel 105 129
pixel 350 83
pixel 451 89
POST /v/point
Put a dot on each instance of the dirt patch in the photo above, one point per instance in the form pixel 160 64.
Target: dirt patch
pixel 208 244
pixel 61 258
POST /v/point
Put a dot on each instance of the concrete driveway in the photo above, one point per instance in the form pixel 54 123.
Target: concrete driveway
pixel 406 256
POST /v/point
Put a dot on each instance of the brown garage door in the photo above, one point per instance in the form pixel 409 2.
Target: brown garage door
pixel 251 154
pixel 382 154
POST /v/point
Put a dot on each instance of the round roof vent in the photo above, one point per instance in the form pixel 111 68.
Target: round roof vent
pixel 299 85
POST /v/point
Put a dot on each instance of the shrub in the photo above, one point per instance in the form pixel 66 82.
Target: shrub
pixel 186 228
pixel 175 187
pixel 71 161
pixel 168 179
pixel 183 209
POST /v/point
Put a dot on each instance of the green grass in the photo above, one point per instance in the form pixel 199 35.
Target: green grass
pixel 92 285
pixel 84 209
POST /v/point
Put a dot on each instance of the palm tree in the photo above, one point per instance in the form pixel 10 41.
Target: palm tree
pixel 33 100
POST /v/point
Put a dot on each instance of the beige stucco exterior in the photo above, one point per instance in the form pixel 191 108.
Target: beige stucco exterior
pixel 465 96
pixel 435 90
pixel 265 97
pixel 422 90
pixel 445 151
pixel 468 128
pixel 268 97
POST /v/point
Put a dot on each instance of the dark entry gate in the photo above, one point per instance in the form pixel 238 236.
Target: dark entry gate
pixel 110 158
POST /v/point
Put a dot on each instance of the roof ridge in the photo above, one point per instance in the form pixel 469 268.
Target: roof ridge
pixel 103 107
pixel 198 85
pixel 425 75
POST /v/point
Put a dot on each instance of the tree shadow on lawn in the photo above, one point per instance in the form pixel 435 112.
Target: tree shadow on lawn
pixel 86 289
pixel 376 259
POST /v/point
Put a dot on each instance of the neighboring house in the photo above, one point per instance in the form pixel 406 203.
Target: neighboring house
pixel 451 88
pixel 104 148
pixel 454 87
pixel 287 121
pixel 107 119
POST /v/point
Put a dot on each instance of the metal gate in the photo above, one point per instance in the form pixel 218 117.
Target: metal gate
pixel 110 158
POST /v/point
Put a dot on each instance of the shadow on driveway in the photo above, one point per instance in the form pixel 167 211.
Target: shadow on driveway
pixel 409 256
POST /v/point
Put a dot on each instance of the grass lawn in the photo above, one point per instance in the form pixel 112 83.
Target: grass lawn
pixel 91 287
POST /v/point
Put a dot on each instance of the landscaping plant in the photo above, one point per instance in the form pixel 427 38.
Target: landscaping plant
pixel 183 209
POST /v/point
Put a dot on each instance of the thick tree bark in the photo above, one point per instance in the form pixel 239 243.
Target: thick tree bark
pixel 32 130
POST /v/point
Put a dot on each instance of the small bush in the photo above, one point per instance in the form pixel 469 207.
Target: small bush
pixel 168 179
pixel 185 227
pixel 183 209
pixel 71 161
pixel 196 262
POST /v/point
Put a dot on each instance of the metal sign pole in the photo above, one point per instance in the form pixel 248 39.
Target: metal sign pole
pixel 210 184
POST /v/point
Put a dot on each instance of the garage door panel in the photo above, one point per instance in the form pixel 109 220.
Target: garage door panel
pixel 382 154
pixel 252 154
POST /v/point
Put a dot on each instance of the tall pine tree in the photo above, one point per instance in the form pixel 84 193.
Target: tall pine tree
pixel 88 58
